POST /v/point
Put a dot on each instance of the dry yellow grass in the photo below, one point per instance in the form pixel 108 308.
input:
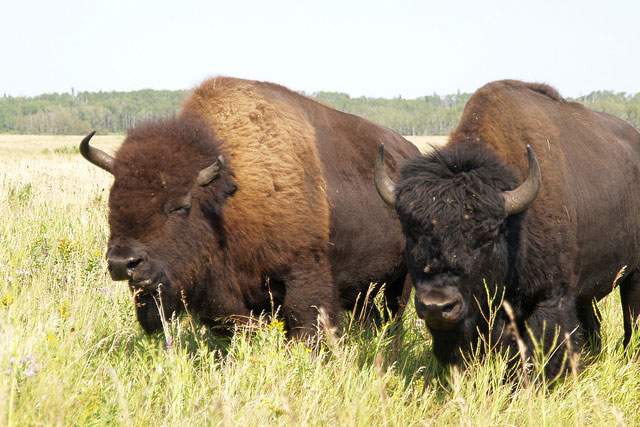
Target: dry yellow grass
pixel 71 352
pixel 425 143
pixel 53 165
pixel 29 145
pixel 15 145
pixel 55 160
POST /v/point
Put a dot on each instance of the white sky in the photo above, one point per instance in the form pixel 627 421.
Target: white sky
pixel 373 48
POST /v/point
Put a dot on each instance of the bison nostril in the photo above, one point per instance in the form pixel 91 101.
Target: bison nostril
pixel 442 307
pixel 123 268
pixel 132 263
pixel 449 307
pixel 441 314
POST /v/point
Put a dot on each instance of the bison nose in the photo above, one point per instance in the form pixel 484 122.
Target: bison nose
pixel 442 308
pixel 122 268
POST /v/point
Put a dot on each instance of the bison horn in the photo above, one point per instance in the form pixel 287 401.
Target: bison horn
pixel 95 156
pixel 385 186
pixel 519 199
pixel 211 172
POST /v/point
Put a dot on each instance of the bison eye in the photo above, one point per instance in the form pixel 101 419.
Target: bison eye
pixel 181 206
pixel 181 210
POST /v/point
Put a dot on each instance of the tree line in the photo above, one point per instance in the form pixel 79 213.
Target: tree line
pixel 115 112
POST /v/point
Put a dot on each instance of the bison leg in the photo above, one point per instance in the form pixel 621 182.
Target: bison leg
pixel 225 313
pixel 365 310
pixel 555 327
pixel 396 297
pixel 630 296
pixel 589 316
pixel 309 298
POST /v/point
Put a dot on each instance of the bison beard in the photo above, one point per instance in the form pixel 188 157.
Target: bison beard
pixel 148 306
pixel 253 200
pixel 552 256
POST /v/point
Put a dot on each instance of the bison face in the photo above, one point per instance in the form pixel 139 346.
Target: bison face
pixel 165 215
pixel 456 255
pixel 166 242
pixel 460 223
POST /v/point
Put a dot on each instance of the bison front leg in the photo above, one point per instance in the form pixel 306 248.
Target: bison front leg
pixel 555 333
pixel 225 306
pixel 630 298
pixel 589 317
pixel 222 316
pixel 310 302
pixel 396 296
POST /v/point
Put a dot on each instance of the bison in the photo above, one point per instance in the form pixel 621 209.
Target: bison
pixel 252 199
pixel 550 232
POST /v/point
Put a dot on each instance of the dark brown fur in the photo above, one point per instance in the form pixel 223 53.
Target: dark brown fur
pixel 559 257
pixel 292 219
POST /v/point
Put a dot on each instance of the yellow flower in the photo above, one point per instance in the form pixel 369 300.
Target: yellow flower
pixel 52 339
pixel 277 325
pixel 64 310
pixel 6 299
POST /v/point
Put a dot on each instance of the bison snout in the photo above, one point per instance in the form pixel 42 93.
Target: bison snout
pixel 441 308
pixel 123 267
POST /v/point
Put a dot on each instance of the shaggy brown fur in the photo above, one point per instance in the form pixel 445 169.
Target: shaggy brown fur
pixel 292 221
pixel 556 259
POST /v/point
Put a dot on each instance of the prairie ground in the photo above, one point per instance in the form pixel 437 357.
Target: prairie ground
pixel 71 352
pixel 426 143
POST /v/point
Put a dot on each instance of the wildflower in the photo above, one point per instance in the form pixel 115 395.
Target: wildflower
pixel 30 366
pixel 27 366
pixel 6 299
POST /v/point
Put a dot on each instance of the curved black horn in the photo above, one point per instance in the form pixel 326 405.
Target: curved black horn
pixel 211 172
pixel 95 156
pixel 385 186
pixel 519 199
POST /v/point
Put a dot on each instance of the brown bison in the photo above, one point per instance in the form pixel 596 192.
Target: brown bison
pixel 552 245
pixel 253 198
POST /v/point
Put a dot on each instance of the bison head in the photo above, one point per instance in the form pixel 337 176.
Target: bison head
pixel 460 223
pixel 165 213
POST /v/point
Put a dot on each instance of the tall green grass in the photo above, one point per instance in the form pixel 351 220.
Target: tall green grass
pixel 71 352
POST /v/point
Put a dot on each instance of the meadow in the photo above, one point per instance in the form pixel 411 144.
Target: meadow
pixel 71 352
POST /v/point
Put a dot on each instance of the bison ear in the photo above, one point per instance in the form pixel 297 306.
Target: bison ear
pixel 207 175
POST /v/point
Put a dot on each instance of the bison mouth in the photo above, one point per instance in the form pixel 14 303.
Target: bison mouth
pixel 154 302
pixel 441 322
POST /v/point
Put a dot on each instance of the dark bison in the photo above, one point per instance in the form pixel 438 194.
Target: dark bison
pixel 549 234
pixel 252 198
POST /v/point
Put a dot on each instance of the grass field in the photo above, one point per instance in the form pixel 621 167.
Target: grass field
pixel 71 352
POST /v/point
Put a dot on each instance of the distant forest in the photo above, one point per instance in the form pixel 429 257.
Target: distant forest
pixel 114 112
